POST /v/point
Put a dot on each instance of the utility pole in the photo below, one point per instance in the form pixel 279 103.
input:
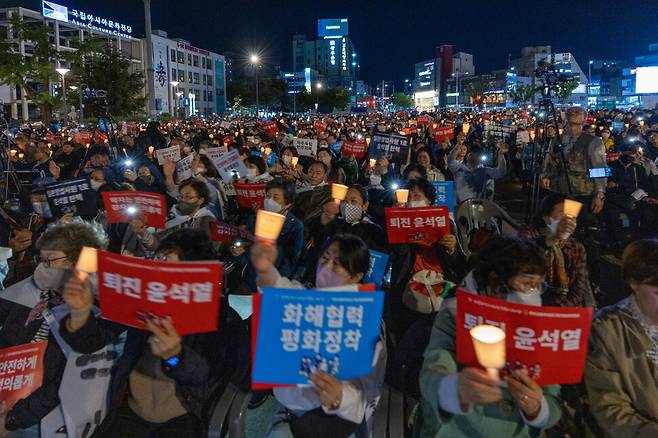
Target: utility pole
pixel 150 86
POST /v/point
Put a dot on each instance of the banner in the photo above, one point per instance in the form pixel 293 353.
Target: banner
pixel 377 269
pixel 306 146
pixel 390 144
pixel 270 128
pixel 225 124
pixel 319 126
pixel 423 120
pixel 358 149
pixel 130 288
pixel 250 194
pixel 215 153
pixel 171 154
pixel 122 207
pixel 445 194
pixel 73 196
pixel 617 126
pixel 412 225
pixel 184 168
pixel 222 232
pixel 306 330
pixel 444 133
pixel 230 166
pixel 21 372
pixel 82 137
pixel 550 342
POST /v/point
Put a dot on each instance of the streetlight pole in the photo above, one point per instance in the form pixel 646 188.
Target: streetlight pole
pixel 62 72
pixel 175 85
pixel 589 79
pixel 150 86
pixel 254 59
pixel 317 95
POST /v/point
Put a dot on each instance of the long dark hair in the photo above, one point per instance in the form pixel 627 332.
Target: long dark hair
pixel 353 253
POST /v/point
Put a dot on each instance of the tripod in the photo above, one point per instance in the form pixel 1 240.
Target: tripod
pixel 10 176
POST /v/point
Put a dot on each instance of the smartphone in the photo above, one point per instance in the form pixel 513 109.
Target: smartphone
pixel 600 172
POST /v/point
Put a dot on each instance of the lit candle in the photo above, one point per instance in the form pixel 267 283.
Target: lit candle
pixel 268 225
pixel 294 161
pixel 489 345
pixel 402 195
pixel 372 162
pixel 87 261
pixel 20 156
pixel 641 123
pixel 561 131
pixel 532 135
pixel 338 192
pixel 572 208
pixel 268 150
pixel 151 150
pixel 13 153
pixel 466 127
pixel 368 139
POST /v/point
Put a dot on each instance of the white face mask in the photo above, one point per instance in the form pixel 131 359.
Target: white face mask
pixel 47 278
pixel 252 173
pixel 416 204
pixel 530 298
pixel 553 225
pixel 96 184
pixel 375 180
pixel 287 160
pixel 271 205
pixel 352 213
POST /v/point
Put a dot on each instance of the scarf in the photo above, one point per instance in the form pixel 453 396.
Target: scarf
pixel 556 273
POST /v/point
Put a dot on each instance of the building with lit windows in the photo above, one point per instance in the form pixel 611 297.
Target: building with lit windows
pixel 639 85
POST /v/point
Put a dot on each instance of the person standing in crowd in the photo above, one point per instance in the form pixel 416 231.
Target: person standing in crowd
pixel 313 194
pixel 474 179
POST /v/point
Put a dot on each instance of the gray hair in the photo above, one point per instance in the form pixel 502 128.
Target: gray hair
pixel 71 237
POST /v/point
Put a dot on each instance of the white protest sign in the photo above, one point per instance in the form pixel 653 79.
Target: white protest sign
pixel 230 164
pixel 306 146
pixel 215 153
pixel 225 124
pixel 184 168
pixel 172 153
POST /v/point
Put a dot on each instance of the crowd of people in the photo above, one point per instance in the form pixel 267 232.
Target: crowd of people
pixel 161 383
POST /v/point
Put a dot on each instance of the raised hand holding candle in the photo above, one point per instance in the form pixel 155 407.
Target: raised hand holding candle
pixel 338 192
pixel 489 345
pixel 402 195
pixel 269 225
pixel 87 261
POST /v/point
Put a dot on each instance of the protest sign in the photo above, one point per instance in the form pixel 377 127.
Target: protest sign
pixel 131 288
pixel 304 331
pixel 377 268
pixel 445 194
pixel 82 137
pixel 250 194
pixel 171 154
pixel 221 232
pixel 539 339
pixel 230 165
pixel 390 145
pixel 73 196
pixel 356 148
pixel 184 168
pixel 306 146
pixel 618 126
pixel 320 127
pixel 444 133
pixel 225 124
pixel 412 225
pixel 423 120
pixel 270 128
pixel 215 153
pixel 21 372
pixel 122 207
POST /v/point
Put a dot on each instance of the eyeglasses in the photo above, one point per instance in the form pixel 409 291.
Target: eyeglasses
pixel 46 261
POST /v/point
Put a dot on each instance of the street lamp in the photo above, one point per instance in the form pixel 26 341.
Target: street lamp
pixel 175 85
pixel 62 71
pixel 254 59
pixel 317 95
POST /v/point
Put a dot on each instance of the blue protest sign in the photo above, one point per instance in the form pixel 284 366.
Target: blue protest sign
pixel 335 147
pixel 378 262
pixel 617 126
pixel 445 194
pixel 305 330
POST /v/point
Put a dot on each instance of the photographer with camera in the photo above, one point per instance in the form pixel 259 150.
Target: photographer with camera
pixel 474 179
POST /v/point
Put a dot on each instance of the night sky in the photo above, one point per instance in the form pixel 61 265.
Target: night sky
pixel 390 36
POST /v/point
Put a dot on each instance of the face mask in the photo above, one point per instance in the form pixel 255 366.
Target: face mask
pixel 187 150
pixel 148 179
pixel 199 171
pixel 252 173
pixel 186 208
pixel 530 298
pixel 552 225
pixel 287 160
pixel 96 184
pixel 352 213
pixel 242 304
pixel 325 278
pixel 47 278
pixel 271 205
pixel 605 136
pixel 375 180
pixel 415 204
pixel 42 209
pixel 203 152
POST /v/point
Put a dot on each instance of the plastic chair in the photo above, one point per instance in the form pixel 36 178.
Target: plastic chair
pixel 389 418
pixel 220 411
pixel 474 214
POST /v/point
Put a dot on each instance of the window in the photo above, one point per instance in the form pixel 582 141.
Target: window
pixel 196 78
pixel 181 57
pixel 189 77
pixel 209 64
pixel 203 62
pixel 181 76
pixel 204 95
pixel 209 96
pixel 209 81
pixel 174 74
pixel 195 60
pixel 204 79
pixel 189 59
pixel 173 55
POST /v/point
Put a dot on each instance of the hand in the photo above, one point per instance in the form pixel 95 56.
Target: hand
pixel 263 255
pixel 130 175
pixel 54 169
pixel 331 209
pixel 328 389
pixel 138 227
pixel 526 392
pixel 21 240
pixel 597 204
pixel 546 183
pixel 67 218
pixel 567 226
pixel 612 184
pixel 449 243
pixel 168 168
pixel 77 293
pixel 475 386
pixel 165 342
pixel 503 148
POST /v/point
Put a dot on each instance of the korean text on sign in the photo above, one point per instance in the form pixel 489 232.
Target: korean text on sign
pixel 222 232
pixel 306 146
pixel 171 153
pixel 250 194
pixel 72 196
pixel 445 194
pixel 304 331
pixel 539 339
pixel 123 207
pixel 358 149
pixel 21 372
pixel 188 292
pixel 409 225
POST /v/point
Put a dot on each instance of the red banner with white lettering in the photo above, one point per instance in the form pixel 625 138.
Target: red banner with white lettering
pixel 539 339
pixel 320 127
pixel 150 208
pixel 423 120
pixel 356 148
pixel 21 372
pixel 250 194
pixel 443 133
pixel 82 137
pixel 270 128
pixel 413 225
pixel 132 289
pixel 221 232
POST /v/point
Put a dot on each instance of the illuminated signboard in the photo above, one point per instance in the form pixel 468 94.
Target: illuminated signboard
pixel 332 52
pixel 85 19
pixel 646 80
pixel 192 49
pixel 332 27
pixel 343 51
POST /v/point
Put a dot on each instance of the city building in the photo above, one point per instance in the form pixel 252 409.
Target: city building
pixel 604 83
pixel 332 54
pixel 639 85
pixel 302 81
pixel 187 80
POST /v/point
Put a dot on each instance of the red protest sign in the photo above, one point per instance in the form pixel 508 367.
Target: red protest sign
pixel 423 120
pixel 540 339
pixel 221 232
pixel 270 128
pixel 413 225
pixel 150 208
pixel 442 133
pixel 82 137
pixel 130 288
pixel 250 194
pixel 21 372
pixel 356 148
pixel 320 127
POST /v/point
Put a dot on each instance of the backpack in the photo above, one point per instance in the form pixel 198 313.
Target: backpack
pixel 425 291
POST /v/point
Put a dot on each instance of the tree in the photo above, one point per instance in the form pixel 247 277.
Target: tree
pixel 565 88
pixel 477 91
pixel 521 93
pixel 33 74
pixel 402 101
